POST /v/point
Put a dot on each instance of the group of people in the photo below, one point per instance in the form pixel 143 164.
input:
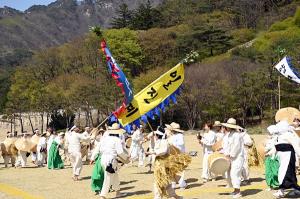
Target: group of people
pixel 165 146
pixel 109 149
pixel 233 141
pixel 282 157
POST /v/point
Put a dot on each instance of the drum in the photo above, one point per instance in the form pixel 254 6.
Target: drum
pixel 35 139
pixel 218 163
pixel 217 146
pixel 124 157
pixel 23 144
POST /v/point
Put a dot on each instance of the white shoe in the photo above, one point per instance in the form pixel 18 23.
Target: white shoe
pixel 278 194
pixel 237 195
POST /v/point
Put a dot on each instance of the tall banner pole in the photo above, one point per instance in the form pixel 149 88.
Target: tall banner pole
pixel 279 93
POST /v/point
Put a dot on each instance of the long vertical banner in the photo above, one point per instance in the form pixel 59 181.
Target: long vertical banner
pixel 153 95
pixel 120 78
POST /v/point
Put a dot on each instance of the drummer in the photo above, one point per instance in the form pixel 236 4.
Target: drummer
pixel 207 141
pixel 234 151
pixel 219 130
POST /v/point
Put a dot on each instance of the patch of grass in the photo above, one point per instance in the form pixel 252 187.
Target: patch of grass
pixel 11 21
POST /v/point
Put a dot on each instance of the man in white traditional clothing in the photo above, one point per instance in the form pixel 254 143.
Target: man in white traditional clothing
pixel 234 151
pixel 110 147
pixel 34 154
pixel 287 147
pixel 74 149
pixel 248 142
pixel 207 141
pixel 177 140
pixel 150 151
pixel 136 148
pixel 85 147
pixel 41 150
pixel 22 155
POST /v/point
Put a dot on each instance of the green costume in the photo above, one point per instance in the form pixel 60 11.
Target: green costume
pixel 54 159
pixel 97 175
pixel 271 169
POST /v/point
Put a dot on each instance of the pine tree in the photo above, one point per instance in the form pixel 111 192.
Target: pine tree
pixel 145 17
pixel 123 18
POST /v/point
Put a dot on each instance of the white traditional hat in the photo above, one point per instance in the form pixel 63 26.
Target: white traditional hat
pixel 231 123
pixel 61 134
pixel 288 114
pixel 174 127
pixel 217 123
pixel 73 128
pixel 157 132
pixel 116 129
pixel 273 129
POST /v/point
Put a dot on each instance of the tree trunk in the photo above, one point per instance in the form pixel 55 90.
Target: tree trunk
pixel 91 118
pixel 30 123
pixel 86 118
pixel 21 123
pixel 14 122
pixel 79 114
pixel 11 127
pixel 47 119
pixel 42 117
pixel 98 117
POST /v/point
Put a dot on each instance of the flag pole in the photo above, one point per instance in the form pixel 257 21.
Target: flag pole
pixel 279 93
pixel 150 126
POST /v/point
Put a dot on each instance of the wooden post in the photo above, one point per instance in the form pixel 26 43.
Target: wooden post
pixel 150 126
pixel 279 93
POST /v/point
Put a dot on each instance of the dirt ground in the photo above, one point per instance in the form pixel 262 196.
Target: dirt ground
pixel 35 182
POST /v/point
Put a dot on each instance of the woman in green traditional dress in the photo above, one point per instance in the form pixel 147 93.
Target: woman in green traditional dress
pixel 271 161
pixel 98 172
pixel 54 159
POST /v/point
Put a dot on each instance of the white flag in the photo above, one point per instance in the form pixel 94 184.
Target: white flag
pixel 286 69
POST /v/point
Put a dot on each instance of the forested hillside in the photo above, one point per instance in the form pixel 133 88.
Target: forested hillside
pixel 234 43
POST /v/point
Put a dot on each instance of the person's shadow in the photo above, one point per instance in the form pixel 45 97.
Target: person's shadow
pixel 250 192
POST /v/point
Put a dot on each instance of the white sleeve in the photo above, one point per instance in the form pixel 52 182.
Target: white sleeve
pixel 119 147
pixel 134 136
pixel 209 139
pixel 294 142
pixel 236 146
pixel 247 140
pixel 84 137
pixel 96 151
pixel 163 148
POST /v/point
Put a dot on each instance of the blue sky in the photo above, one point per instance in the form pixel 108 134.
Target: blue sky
pixel 23 4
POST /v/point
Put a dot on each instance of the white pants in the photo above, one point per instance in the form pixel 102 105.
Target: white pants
pixel 6 160
pixel 41 156
pixel 22 159
pixel 245 170
pixel 205 168
pixel 234 179
pixel 33 157
pixel 137 152
pixel 170 192
pixel 76 162
pixel 110 179
pixel 181 181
